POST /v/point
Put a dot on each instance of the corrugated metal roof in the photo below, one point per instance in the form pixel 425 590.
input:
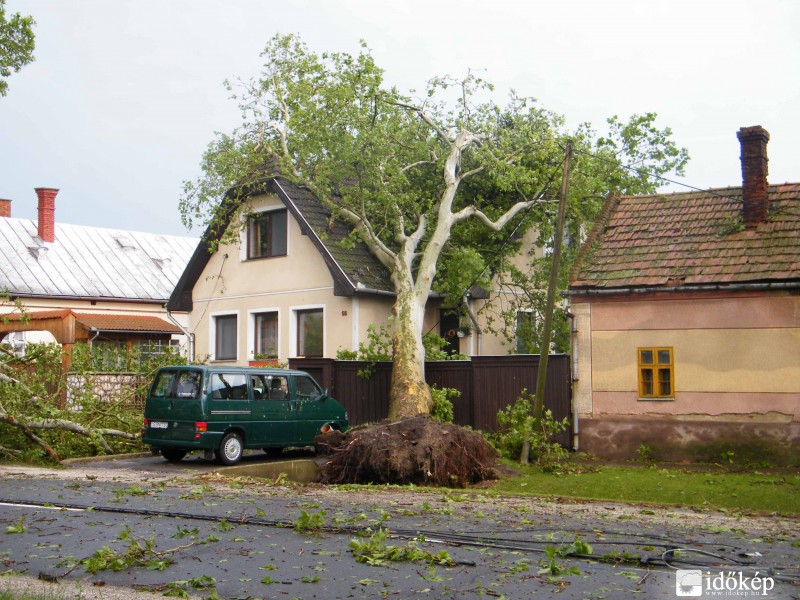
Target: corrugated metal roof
pixel 90 262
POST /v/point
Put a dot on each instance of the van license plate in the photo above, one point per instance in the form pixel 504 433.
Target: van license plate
pixel 159 424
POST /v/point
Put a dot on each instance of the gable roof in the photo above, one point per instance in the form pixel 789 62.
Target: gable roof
pixel 90 262
pixel 353 267
pixel 691 240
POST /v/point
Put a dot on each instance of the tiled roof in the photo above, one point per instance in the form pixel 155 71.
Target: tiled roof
pixel 691 239
pixel 144 323
pixel 90 262
pixel 353 267
pixel 101 321
pixel 355 260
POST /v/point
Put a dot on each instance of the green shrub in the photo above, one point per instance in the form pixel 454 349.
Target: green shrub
pixel 442 409
pixel 516 421
pixel 37 387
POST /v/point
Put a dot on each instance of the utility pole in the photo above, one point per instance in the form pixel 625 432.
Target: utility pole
pixel 541 375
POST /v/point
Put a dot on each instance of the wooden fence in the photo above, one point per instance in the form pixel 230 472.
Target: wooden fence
pixel 487 385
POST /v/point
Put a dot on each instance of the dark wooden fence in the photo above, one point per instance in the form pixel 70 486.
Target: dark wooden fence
pixel 487 385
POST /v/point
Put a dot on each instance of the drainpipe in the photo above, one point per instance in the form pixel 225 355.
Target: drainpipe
pixel 94 337
pixel 573 339
pixel 189 336
pixel 474 320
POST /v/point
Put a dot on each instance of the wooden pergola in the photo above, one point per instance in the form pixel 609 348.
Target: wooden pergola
pixel 70 328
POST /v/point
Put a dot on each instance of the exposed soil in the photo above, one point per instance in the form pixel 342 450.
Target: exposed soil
pixel 418 450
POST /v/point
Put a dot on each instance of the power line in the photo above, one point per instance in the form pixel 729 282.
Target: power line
pixel 648 172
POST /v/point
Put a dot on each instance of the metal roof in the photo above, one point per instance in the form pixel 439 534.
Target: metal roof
pixel 90 262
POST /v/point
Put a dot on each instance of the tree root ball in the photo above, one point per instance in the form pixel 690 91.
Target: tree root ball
pixel 417 450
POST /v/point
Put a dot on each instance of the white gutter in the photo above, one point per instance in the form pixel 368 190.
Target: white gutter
pixel 189 336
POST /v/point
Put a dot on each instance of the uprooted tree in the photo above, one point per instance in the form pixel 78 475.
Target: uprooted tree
pixel 427 181
pixel 95 408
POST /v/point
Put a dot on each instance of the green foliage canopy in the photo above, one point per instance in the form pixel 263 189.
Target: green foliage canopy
pixel 432 181
pixel 16 44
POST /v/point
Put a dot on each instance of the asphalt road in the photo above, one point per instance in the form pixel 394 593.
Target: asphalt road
pixel 238 537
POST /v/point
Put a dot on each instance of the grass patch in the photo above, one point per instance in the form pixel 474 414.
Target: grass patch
pixel 768 492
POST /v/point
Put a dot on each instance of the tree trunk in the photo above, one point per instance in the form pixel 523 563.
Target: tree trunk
pixel 409 395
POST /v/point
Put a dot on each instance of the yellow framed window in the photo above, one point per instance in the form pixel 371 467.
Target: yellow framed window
pixel 656 373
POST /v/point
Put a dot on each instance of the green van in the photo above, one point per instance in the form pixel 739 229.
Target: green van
pixel 223 410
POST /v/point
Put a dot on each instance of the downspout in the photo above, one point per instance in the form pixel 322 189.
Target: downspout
pixel 189 336
pixel 474 320
pixel 573 343
pixel 93 339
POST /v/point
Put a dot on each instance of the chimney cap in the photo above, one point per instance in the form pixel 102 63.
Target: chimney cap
pixel 753 131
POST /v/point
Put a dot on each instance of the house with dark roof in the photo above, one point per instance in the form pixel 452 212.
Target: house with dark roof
pixel 87 284
pixel 687 321
pixel 292 283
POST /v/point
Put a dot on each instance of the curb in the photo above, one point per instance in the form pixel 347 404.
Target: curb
pixel 106 457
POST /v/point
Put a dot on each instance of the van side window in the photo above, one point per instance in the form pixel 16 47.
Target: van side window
pixel 258 387
pixel 188 385
pixel 177 384
pixel 306 388
pixel 228 386
pixel 278 387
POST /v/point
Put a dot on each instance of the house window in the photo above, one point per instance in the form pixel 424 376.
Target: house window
pixel 524 332
pixel 266 334
pixel 310 332
pixel 266 234
pixel 656 373
pixel 225 340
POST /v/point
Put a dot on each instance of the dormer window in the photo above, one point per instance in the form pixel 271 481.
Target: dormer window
pixel 266 234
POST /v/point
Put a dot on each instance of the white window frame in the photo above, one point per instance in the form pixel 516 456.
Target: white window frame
pixel 293 327
pixel 212 334
pixel 251 329
pixel 244 234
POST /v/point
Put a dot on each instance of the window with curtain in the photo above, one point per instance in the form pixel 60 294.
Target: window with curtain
pixel 225 327
pixel 266 331
pixel 266 234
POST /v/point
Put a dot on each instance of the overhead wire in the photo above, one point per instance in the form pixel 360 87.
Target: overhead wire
pixel 666 559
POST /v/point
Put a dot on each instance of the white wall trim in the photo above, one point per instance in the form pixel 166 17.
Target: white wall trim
pixel 251 329
pixel 212 332
pixel 293 327
pixel 244 229
pixel 266 294
pixel 355 321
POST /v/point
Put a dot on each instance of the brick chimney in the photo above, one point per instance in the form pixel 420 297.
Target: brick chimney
pixel 754 159
pixel 47 213
pixel 5 207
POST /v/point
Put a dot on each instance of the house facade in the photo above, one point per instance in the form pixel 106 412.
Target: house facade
pixel 290 283
pixel 686 327
pixel 77 284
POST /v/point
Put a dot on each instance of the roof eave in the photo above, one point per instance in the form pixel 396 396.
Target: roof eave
pixel 706 287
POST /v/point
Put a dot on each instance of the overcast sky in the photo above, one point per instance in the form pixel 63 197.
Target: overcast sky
pixel 124 95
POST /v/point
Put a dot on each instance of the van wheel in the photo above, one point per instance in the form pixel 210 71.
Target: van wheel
pixel 230 450
pixel 173 454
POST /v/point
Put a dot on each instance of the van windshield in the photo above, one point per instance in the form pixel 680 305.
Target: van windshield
pixel 177 384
